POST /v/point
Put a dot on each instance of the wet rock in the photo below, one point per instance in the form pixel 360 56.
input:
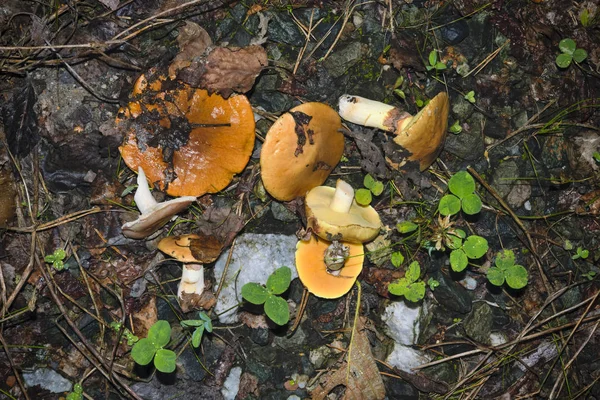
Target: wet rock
pixel 461 108
pixel 254 258
pixel 519 194
pixel 503 178
pixel 231 386
pixel 406 358
pixel 280 213
pixel 47 379
pixel 400 390
pixel 467 145
pixel 272 101
pixel 260 336
pixel 451 295
pixel 580 150
pixel 478 324
pixel 342 59
pixel 455 32
pixel 283 29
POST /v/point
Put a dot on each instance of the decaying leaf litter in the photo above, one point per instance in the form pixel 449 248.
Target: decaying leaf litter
pixel 76 291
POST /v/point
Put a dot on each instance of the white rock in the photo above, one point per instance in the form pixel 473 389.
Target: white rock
pixel 254 258
pixel 497 338
pixel 231 386
pixel 405 358
pixel 402 322
pixel 47 379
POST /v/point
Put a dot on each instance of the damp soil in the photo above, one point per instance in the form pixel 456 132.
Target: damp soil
pixel 527 130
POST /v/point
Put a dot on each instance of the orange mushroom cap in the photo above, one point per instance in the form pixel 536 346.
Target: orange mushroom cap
pixel 313 273
pixel 191 248
pixel 187 141
pixel 301 149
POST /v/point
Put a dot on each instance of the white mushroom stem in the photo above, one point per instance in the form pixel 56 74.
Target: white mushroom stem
pixel 192 280
pixel 371 113
pixel 342 197
pixel 143 198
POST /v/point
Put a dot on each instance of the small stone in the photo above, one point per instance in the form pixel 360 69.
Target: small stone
pixel 344 58
pixel 281 213
pixel 478 324
pixel 231 386
pixel 402 322
pixel 47 379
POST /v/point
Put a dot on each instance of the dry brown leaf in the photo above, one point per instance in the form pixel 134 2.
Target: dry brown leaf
pixel 363 381
pixel 193 42
pixel 144 318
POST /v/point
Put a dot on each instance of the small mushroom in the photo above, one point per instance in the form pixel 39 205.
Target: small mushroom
pixel 333 214
pixel 316 276
pixel 300 150
pixel 153 214
pixel 187 249
pixel 422 135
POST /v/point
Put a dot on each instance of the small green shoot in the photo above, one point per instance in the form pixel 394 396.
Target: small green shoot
pixel 373 187
pixel 455 128
pixel 398 88
pixel 584 18
pixel 201 325
pixel 77 393
pixel 56 259
pixel 434 63
pixel 276 307
pixel 130 337
pixel 462 187
pixel 580 253
pixel 409 286
pixel 470 97
pixel 406 227
pixel 397 259
pixel 590 275
pixel 152 348
pixel 569 53
pixel 596 156
pixel 507 271
pixel 432 283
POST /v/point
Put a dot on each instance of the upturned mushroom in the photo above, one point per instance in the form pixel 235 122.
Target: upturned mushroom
pixel 300 150
pixel 422 135
pixel 153 214
pixel 193 251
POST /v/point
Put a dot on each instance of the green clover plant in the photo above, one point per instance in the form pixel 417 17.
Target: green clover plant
pixel 276 307
pixel 77 393
pixel 507 271
pixel 434 63
pixel 473 247
pixel 569 53
pixel 470 97
pixel 463 196
pixel 397 259
pixel 410 286
pixel 580 253
pixel 130 337
pixel 152 348
pixel 56 259
pixel 201 325
pixel 373 187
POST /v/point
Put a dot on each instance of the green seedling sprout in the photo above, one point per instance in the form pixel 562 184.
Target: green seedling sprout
pixel 152 348
pixel 130 337
pixel 410 286
pixel 57 259
pixel 397 259
pixel 77 393
pixel 470 97
pixel 505 270
pixel 201 325
pixel 276 307
pixel 373 187
pixel 580 253
pixel 455 128
pixel 569 53
pixel 434 63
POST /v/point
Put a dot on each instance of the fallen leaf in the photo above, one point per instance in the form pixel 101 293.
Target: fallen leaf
pixel 193 41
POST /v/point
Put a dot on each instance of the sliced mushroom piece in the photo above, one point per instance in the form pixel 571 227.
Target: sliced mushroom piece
pixel 333 214
pixel 422 135
pixel 317 277
pixel 300 150
pixel 153 214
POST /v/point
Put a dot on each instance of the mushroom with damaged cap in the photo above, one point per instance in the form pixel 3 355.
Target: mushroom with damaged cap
pixel 422 135
pixel 153 214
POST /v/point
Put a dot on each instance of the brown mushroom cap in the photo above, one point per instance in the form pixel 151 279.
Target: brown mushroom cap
pixel 301 149
pixel 425 134
pixel 191 248
pixel 359 225
pixel 187 141
pixel 313 273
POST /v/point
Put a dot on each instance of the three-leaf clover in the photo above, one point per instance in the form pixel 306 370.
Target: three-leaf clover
pixel 276 307
pixel 462 187
pixel 434 63
pixel 56 259
pixel 201 325
pixel 372 186
pixel 580 253
pixel 507 271
pixel 473 247
pixel 409 286
pixel 152 347
pixel 569 53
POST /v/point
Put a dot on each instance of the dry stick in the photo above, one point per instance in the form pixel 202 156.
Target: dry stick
pixel 13 366
pixel 487 60
pixel 59 221
pixel 111 375
pixel 24 276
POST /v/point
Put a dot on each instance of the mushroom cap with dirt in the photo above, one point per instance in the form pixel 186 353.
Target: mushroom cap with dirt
pixel 187 141
pixel 315 275
pixel 422 135
pixel 153 214
pixel 300 150
pixel 333 214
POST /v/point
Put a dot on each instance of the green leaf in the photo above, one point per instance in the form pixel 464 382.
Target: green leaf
pixel 470 97
pixel 192 322
pixel 584 17
pixel 460 233
pixel 143 351
pixel 458 260
pixel 475 246
pixel 567 46
pixel 432 58
pixel 406 226
pixel 454 242
pixel 397 259
pixel 400 94
pixel 461 184
pixel 579 55
pixel 505 259
pixel 398 287
pixel 495 276
pixel 369 181
pixel 432 283
pixel 440 66
pixel 596 156
pixel 363 196
pixel 415 291
pixel 254 293
pixel 160 333
pixel 455 128
pixel 197 336
pixel 449 205
pixel 59 254
pixel 377 188
pixel 279 281
pixel 471 204
pixel 564 60
pixel 277 309
pixel 516 276
pixel 568 245
pixel 165 361
pixel 413 272
pixel 128 190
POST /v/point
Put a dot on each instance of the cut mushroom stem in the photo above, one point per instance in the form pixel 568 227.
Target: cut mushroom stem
pixel 371 113
pixel 192 280
pixel 342 197
pixel 144 200
pixel 335 257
